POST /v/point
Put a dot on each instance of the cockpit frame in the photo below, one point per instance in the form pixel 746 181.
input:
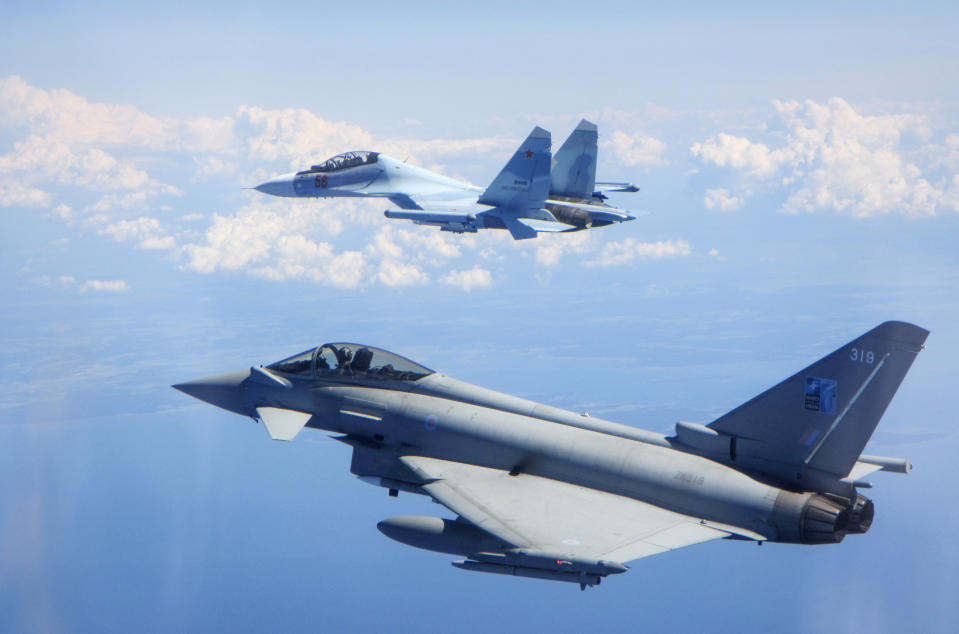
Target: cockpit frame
pixel 344 161
pixel 350 362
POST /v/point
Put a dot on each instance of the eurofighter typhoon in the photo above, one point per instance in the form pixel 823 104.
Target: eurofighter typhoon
pixel 536 491
pixel 535 192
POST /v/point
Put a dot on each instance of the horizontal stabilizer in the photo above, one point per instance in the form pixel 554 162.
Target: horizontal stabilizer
pixel 546 226
pixel 282 424
pixel 519 229
pixel 627 188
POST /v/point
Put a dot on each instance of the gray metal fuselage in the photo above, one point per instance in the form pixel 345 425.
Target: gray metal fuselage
pixel 440 417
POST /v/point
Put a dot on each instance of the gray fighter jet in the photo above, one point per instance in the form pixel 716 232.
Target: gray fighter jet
pixel 533 193
pixel 541 492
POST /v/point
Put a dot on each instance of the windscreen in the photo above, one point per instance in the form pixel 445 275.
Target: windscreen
pixel 365 362
pixel 300 364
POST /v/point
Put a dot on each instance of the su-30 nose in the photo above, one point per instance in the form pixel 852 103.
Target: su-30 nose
pixel 279 186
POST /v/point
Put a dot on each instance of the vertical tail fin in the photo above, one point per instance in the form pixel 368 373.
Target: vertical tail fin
pixel 823 416
pixel 573 173
pixel 524 182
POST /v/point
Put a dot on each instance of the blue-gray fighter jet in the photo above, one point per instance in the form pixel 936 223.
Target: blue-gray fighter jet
pixel 534 193
pixel 540 492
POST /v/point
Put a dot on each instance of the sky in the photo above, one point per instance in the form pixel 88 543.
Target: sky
pixel 799 174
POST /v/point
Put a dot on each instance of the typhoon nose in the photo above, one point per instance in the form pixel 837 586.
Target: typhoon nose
pixel 279 186
pixel 223 390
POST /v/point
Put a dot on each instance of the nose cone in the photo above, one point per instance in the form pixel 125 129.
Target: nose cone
pixel 279 186
pixel 223 390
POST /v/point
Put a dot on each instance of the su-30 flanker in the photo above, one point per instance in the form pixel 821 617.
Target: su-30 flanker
pixel 535 192
pixel 546 493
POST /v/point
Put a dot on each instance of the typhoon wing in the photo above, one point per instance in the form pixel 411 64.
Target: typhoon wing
pixel 548 527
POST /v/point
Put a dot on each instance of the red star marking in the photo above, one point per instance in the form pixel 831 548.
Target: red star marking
pixel 529 153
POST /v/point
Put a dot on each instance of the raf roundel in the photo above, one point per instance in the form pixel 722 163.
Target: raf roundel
pixel 430 422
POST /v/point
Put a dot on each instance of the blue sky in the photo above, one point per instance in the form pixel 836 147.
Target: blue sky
pixel 800 167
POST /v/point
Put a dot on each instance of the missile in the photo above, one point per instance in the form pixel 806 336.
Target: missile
pixel 488 554
pixel 582 578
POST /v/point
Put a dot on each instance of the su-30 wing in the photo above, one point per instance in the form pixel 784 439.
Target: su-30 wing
pixel 515 200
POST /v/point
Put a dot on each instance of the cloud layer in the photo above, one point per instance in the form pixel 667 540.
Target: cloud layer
pixel 132 177
pixel 829 157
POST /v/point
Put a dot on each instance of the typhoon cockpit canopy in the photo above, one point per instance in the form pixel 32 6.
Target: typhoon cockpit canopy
pixel 352 360
pixel 344 160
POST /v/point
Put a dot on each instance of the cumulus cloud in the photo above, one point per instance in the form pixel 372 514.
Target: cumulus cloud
pixel 108 286
pixel 551 247
pixel 740 153
pixel 475 277
pixel 398 273
pixel 832 158
pixel 636 149
pixel 70 142
pixel 16 194
pixel 122 171
pixel 147 232
pixel 619 253
pixel 722 200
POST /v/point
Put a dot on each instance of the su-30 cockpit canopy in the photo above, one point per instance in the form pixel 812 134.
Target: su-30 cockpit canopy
pixel 350 360
pixel 343 161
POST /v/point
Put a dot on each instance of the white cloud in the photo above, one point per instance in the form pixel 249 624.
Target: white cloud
pixel 832 158
pixel 722 200
pixel 619 253
pixel 397 273
pixel 295 134
pixel 65 116
pixel 279 240
pixel 636 149
pixel 16 194
pixel 146 231
pixel 740 153
pixel 214 166
pixel 475 277
pixel 119 167
pixel 108 286
pixel 550 247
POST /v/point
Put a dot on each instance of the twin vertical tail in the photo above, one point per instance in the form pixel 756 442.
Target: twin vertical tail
pixel 573 173
pixel 822 417
pixel 524 182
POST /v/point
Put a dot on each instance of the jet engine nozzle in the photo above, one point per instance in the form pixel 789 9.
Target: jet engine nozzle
pixel 861 514
pixel 823 521
pixel 810 518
